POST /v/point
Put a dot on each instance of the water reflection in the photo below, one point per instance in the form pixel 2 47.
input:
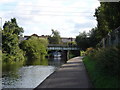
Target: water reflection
pixel 43 61
pixel 57 62
pixel 29 76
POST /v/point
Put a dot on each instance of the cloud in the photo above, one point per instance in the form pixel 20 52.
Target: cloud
pixel 84 25
pixel 6 1
pixel 69 17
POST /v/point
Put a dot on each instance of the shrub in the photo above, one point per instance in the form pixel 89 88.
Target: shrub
pixel 108 60
pixel 18 57
pixel 34 48
pixel 82 53
pixel 90 52
pixel 98 78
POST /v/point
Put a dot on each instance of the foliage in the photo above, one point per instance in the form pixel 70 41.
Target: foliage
pixel 99 79
pixel 10 42
pixel 0 38
pixel 108 60
pixel 82 53
pixel 73 53
pixel 82 41
pixel 85 40
pixel 94 37
pixel 54 38
pixel 107 16
pixel 103 64
pixel 44 42
pixel 89 51
pixel 0 61
pixel 72 43
pixel 34 48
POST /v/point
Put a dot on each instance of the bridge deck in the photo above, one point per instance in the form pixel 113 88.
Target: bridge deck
pixel 62 47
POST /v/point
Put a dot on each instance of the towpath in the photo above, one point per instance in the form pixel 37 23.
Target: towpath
pixel 71 75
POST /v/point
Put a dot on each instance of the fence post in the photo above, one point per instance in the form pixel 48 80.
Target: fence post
pixel 103 41
pixel 109 39
pixel 116 41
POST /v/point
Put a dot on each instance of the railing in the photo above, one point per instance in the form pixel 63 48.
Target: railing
pixel 112 39
pixel 62 47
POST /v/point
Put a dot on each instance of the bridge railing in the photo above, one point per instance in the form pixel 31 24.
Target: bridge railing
pixel 62 47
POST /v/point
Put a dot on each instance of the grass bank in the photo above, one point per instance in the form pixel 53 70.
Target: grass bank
pixel 100 79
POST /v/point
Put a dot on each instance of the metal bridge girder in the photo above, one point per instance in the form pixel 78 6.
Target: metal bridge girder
pixel 62 48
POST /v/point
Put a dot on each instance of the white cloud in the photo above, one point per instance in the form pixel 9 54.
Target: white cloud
pixel 6 1
pixel 40 16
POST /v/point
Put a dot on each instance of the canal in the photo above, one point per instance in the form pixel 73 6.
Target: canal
pixel 29 76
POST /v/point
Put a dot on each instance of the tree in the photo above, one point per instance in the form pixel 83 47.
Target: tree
pixel 82 41
pixel 108 17
pixel 0 38
pixel 10 42
pixel 94 37
pixel 71 43
pixel 54 38
pixel 34 48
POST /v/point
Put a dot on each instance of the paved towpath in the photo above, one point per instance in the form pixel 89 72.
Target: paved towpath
pixel 70 75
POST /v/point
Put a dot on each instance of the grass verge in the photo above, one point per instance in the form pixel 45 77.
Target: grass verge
pixel 100 79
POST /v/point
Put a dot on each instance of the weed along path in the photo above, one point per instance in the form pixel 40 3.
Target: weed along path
pixel 70 75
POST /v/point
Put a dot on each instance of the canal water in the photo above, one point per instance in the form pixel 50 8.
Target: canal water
pixel 29 76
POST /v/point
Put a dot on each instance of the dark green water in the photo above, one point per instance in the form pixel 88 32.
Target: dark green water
pixel 29 76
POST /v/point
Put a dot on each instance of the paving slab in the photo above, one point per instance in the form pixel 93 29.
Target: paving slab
pixel 71 75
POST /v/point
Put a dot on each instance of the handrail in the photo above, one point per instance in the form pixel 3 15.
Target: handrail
pixel 61 45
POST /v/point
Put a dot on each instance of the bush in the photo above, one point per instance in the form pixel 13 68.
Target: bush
pixel 108 60
pixel 82 53
pixel 98 78
pixel 90 52
pixel 18 57
pixel 34 48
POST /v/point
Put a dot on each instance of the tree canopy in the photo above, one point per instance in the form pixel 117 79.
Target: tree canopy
pixel 108 18
pixel 34 48
pixel 10 41
pixel 54 38
pixel 82 40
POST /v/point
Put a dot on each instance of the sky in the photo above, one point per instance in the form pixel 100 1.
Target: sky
pixel 69 17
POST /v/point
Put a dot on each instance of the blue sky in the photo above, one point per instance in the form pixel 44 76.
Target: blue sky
pixel 69 17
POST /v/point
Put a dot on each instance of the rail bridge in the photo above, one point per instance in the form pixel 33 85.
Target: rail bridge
pixel 62 47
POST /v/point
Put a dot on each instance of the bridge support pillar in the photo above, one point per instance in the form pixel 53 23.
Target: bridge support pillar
pixel 64 54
